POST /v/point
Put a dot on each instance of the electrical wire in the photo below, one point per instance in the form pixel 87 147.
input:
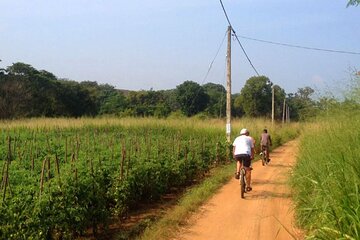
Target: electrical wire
pixel 299 46
pixel 232 29
pixel 208 71
pixel 211 64
pixel 278 43
pixel 245 53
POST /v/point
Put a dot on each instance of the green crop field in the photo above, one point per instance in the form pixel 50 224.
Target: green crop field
pixel 62 177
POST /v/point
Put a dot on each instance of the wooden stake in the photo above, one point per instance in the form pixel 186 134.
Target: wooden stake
pixel 42 176
pixel 3 176
pixel 66 150
pixel 57 167
pixel 48 168
pixel 123 154
pixel 32 156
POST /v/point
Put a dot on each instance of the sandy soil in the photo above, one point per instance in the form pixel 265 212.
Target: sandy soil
pixel 265 213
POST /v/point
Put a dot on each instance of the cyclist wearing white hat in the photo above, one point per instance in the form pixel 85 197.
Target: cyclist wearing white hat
pixel 243 150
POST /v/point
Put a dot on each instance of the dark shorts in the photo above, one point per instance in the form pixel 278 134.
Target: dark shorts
pixel 245 158
pixel 264 147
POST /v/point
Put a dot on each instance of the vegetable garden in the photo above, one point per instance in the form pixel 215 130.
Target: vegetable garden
pixel 61 178
pixel 57 183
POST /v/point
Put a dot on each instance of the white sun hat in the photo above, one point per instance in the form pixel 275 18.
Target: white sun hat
pixel 243 131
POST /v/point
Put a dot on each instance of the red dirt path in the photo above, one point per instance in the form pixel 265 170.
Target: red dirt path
pixel 265 213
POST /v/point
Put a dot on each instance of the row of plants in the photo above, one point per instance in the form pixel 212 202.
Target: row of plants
pixel 326 178
pixel 64 177
pixel 58 183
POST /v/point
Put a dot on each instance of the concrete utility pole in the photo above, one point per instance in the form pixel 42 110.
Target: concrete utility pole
pixel 287 114
pixel 228 87
pixel 272 104
pixel 284 109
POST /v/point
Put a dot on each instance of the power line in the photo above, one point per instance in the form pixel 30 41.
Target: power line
pixel 245 53
pixel 208 71
pixel 299 46
pixel 210 66
pixel 232 29
pixel 227 18
pixel 278 43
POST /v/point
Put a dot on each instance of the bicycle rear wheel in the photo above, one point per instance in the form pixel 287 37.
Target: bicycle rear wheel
pixel 263 158
pixel 242 182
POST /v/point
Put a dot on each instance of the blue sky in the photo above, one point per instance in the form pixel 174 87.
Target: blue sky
pixel 159 44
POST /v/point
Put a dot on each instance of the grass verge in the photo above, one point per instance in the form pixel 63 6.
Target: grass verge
pixel 326 178
pixel 167 226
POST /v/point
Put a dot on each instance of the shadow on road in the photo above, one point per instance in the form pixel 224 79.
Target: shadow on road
pixel 280 165
pixel 266 194
pixel 267 182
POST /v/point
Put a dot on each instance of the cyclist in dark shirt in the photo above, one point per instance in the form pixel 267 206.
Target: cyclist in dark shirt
pixel 266 143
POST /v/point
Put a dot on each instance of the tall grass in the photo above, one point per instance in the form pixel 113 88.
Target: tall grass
pixel 280 133
pixel 326 179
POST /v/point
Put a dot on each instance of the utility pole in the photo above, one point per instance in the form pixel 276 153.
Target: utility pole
pixel 287 114
pixel 272 104
pixel 228 87
pixel 284 109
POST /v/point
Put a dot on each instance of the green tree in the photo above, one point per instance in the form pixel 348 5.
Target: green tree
pixel 98 94
pixel 45 94
pixel 255 97
pixel 353 3
pixel 73 99
pixel 15 95
pixel 237 108
pixel 40 89
pixel 115 103
pixel 279 96
pixel 148 103
pixel 191 97
pixel 301 105
pixel 20 68
pixel 217 99
pixel 170 100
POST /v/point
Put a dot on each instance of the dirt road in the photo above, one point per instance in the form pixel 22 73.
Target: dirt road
pixel 265 213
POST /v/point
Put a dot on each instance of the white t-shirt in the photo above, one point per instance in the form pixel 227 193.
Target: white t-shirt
pixel 243 145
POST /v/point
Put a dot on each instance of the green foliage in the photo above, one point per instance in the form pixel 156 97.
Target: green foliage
pixel 191 97
pixel 279 96
pixel 353 3
pixel 103 171
pixel 217 99
pixel 21 69
pixel 148 103
pixel 14 96
pixel 177 115
pixel 28 92
pixel 326 178
pixel 255 97
pixel 114 103
pixel 302 107
pixel 167 227
pixel 353 90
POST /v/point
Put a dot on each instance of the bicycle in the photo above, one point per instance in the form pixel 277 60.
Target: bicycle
pixel 263 155
pixel 242 179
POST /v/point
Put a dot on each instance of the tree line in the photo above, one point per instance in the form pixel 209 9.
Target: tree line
pixel 27 92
